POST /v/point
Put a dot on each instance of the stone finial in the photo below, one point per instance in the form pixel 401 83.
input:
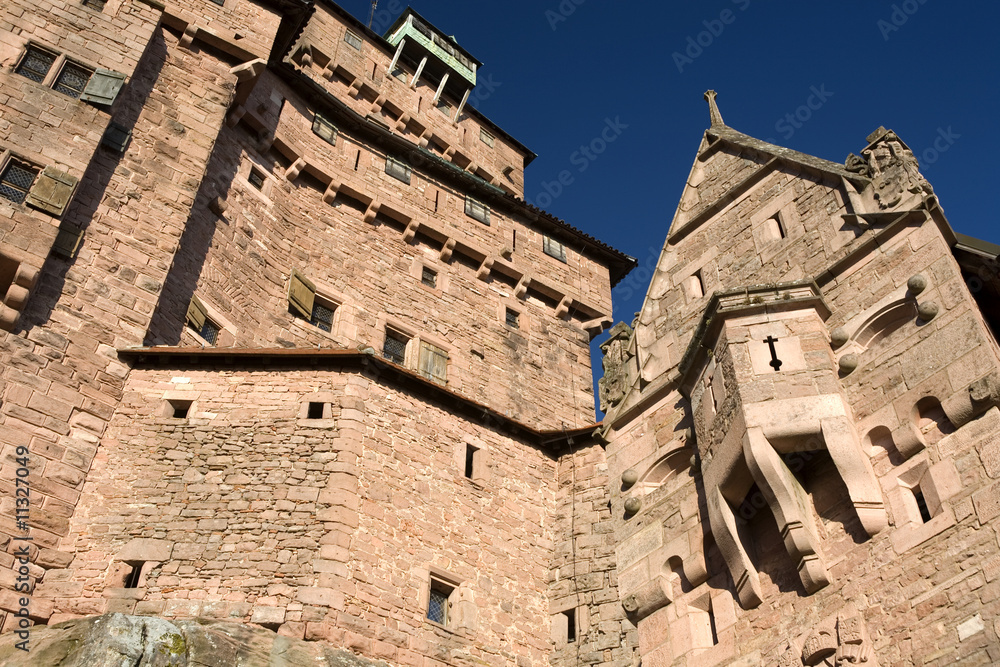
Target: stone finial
pixel 839 337
pixel 927 311
pixel 917 284
pixel 848 363
pixel 629 478
pixel 713 109
pixel 633 505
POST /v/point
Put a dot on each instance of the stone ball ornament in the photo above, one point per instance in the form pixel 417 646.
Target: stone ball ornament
pixel 633 505
pixel 927 311
pixel 839 337
pixel 629 478
pixel 848 363
pixel 916 284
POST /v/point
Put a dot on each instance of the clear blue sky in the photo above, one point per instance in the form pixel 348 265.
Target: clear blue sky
pixel 559 71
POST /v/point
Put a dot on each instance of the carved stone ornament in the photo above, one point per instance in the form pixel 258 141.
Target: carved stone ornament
pixel 857 165
pixel 836 642
pixel 894 171
pixel 617 354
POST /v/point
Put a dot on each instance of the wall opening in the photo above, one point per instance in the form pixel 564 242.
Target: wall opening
pixel 132 578
pixel 471 454
pixel 315 410
pixel 570 615
pixel 8 269
pixel 178 409
pixel 932 422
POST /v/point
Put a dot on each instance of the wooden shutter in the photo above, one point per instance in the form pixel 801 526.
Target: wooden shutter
pixel 433 363
pixel 51 191
pixel 67 242
pixel 116 137
pixel 103 86
pixel 196 314
pixel 301 294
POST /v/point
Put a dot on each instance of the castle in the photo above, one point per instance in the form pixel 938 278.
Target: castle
pixel 284 348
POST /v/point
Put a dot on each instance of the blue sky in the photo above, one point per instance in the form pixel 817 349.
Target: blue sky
pixel 817 77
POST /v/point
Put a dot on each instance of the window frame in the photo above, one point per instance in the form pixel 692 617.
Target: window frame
pixel 20 67
pixel 14 162
pixel 399 170
pixel 554 249
pixel 348 34
pixel 475 208
pixel 321 301
pixel 322 124
pixel 399 336
pixel 68 65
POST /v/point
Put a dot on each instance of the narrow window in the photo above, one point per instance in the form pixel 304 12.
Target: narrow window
pixel 711 624
pixel 428 276
pixel 513 241
pixel 132 580
pixel 178 409
pixel 471 456
pixel 35 64
pixel 486 137
pixel 16 180
pixel 394 348
pixel 353 39
pixel 72 80
pixel 553 248
pixel 397 170
pixel 437 195
pixel 324 128
pixel 322 314
pixel 925 514
pixel 357 160
pixel 256 178
pixel 512 318
pixel 210 331
pixel 439 601
pixel 477 210
pixel 315 410
pixel 570 615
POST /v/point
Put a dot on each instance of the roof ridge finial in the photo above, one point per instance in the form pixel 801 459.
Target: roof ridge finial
pixel 713 109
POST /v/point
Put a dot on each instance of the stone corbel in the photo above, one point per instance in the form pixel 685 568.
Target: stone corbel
pixel 372 212
pixel 787 500
pixel 521 289
pixel 403 121
pixel 411 231
pixel 247 75
pixel 187 39
pixel 597 325
pixel 484 269
pixel 293 172
pixel 726 534
pixel 653 595
pixel 331 191
pixel 980 396
pixel 447 250
pixel 562 310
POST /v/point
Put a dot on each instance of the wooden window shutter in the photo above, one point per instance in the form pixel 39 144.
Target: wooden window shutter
pixel 116 137
pixel 433 363
pixel 196 314
pixel 103 87
pixel 51 191
pixel 301 294
pixel 67 242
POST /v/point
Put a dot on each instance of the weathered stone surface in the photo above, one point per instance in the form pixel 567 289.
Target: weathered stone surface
pixel 118 640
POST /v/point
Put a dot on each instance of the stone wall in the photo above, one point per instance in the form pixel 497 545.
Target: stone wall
pixel 330 528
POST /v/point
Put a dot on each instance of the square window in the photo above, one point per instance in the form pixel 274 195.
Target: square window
pixel 72 80
pixel 353 39
pixel 210 331
pixel 486 137
pixel 394 348
pixel 478 210
pixel 444 107
pixel 178 409
pixel 16 180
pixel 322 314
pixel 324 128
pixel 513 318
pixel 553 248
pixel 429 277
pixel 36 64
pixel 94 4
pixel 439 601
pixel 256 178
pixel 397 170
pixel 219 2
pixel 315 410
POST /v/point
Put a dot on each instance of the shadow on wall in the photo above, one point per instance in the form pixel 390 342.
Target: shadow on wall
pixel 94 184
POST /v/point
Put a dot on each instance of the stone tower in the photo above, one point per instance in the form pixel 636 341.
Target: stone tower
pixel 802 425
pixel 282 343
